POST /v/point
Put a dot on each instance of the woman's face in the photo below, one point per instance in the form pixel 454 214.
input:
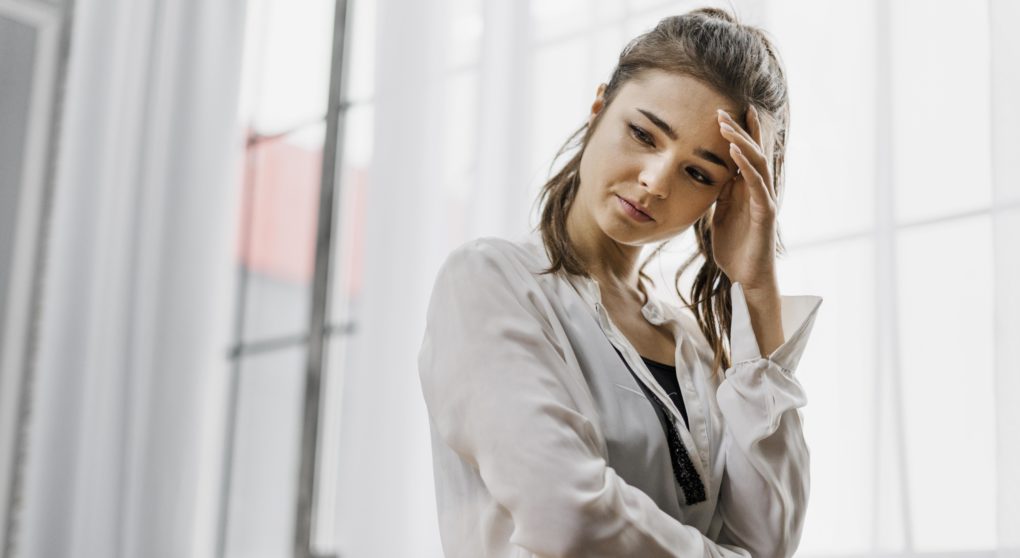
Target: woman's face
pixel 658 146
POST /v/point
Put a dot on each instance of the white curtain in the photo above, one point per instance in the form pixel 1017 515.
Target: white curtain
pixel 446 166
pixel 1004 115
pixel 384 485
pixel 902 210
pixel 128 396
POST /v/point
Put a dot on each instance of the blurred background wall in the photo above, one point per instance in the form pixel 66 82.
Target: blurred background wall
pixel 220 222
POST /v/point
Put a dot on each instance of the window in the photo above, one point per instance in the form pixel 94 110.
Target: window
pixel 285 106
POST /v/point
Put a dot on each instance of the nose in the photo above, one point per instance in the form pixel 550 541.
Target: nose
pixel 655 176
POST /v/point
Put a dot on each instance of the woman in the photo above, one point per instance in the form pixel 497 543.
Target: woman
pixel 573 414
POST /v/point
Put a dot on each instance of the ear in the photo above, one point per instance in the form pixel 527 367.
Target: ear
pixel 598 104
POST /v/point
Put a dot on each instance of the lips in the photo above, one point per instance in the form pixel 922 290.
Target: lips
pixel 631 209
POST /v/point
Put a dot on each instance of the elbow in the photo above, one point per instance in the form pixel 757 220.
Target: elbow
pixel 552 531
pixel 786 526
pixel 786 534
pixel 570 524
pixel 765 527
pixel 785 547
pixel 782 545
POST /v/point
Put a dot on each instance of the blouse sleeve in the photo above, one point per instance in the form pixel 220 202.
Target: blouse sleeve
pixel 498 388
pixel 764 492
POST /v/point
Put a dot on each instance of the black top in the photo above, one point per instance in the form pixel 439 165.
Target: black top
pixel 683 467
pixel 666 376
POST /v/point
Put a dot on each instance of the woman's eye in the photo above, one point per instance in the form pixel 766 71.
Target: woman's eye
pixel 642 135
pixel 700 177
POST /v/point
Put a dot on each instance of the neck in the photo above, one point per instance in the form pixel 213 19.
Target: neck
pixel 612 264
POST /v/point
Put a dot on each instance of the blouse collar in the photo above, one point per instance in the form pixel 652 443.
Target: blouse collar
pixel 653 310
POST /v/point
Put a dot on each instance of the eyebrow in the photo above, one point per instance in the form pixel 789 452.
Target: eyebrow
pixel 669 131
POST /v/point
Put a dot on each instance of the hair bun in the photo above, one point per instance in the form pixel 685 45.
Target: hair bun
pixel 714 13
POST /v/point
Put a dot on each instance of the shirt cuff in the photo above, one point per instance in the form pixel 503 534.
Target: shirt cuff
pixel 798 315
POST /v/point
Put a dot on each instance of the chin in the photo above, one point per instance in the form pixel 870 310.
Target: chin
pixel 623 234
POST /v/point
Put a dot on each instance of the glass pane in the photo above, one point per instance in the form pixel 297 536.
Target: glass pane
pixel 1007 355
pixel 946 341
pixel 349 216
pixel 1005 90
pixel 349 436
pixel 464 33
pixel 346 269
pixel 832 96
pixel 328 468
pixel 837 372
pixel 555 19
pixel 264 475
pixel 561 97
pixel 646 14
pixel 360 73
pixel 282 201
pixel 552 18
pixel 940 85
pixel 605 44
pixel 674 6
pixel 645 18
pixel 287 63
pixel 460 151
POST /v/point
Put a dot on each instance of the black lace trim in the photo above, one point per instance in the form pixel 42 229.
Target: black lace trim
pixel 683 468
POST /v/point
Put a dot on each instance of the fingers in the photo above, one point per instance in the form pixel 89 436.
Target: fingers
pixel 749 147
pixel 734 133
pixel 759 186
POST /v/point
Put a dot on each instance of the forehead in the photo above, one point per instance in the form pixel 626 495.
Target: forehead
pixel 674 94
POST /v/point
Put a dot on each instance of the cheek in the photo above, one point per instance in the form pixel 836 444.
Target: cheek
pixel 609 166
pixel 696 206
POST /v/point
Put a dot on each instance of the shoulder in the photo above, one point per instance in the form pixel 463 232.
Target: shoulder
pixel 488 277
pixel 491 257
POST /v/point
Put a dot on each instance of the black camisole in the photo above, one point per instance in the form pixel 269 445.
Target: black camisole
pixel 666 376
pixel 683 468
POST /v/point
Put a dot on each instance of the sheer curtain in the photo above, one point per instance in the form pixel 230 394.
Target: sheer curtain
pixel 902 211
pixel 130 358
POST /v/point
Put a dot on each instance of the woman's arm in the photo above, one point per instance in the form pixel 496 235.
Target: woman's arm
pixel 764 494
pixel 499 392
pixel 764 307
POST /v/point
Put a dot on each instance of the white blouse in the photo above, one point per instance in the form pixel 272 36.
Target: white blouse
pixel 543 443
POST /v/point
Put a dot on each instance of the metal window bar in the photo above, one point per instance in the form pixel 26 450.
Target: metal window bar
pixel 280 342
pixel 331 161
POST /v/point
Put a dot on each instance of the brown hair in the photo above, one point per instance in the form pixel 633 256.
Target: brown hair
pixel 740 63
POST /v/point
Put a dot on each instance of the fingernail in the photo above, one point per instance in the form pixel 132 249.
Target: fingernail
pixel 726 127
